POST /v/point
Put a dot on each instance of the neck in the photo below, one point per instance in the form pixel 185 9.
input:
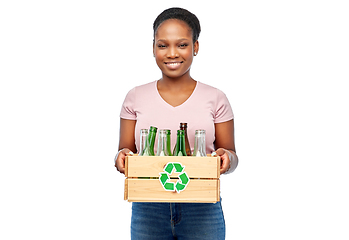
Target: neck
pixel 178 81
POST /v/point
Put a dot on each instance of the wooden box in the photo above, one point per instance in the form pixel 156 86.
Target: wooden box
pixel 172 179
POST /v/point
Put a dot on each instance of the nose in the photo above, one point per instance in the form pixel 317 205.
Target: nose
pixel 172 52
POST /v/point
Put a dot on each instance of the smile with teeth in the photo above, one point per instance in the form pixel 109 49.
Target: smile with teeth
pixel 173 64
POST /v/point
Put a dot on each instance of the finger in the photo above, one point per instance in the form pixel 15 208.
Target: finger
pixel 120 161
pixel 220 151
pixel 120 166
pixel 122 170
pixel 130 153
pixel 225 163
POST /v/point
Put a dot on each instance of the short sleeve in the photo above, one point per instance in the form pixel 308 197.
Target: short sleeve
pixel 128 107
pixel 223 111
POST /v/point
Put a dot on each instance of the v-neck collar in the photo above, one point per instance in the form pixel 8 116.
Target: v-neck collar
pixel 182 104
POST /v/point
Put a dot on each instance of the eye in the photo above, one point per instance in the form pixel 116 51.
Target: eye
pixel 161 46
pixel 183 45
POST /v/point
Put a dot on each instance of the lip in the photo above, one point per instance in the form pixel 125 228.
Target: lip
pixel 173 65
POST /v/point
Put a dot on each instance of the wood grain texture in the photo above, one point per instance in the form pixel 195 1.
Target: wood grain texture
pixel 151 190
pixel 142 182
pixel 195 167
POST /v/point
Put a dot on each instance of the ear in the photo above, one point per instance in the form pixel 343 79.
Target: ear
pixel 196 47
pixel 154 48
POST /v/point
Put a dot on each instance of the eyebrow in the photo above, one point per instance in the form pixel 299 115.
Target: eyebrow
pixel 181 39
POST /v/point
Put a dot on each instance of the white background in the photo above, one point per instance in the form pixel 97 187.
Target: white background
pixel 66 66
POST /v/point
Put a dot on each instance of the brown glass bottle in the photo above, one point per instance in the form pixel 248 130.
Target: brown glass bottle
pixel 184 126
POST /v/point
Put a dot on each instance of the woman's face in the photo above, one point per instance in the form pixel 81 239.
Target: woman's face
pixel 174 48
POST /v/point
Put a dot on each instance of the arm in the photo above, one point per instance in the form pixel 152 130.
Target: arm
pixel 225 146
pixel 126 143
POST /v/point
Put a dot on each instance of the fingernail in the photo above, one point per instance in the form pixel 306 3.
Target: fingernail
pixel 131 153
pixel 213 154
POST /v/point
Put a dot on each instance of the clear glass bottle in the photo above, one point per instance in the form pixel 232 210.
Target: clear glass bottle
pixel 149 143
pixel 200 143
pixel 180 145
pixel 142 140
pixel 164 143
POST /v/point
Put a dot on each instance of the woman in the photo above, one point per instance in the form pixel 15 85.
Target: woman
pixel 176 98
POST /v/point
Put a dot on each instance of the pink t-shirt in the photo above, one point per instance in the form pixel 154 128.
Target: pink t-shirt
pixel 205 107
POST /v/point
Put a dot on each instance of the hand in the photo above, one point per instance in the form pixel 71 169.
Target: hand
pixel 227 159
pixel 120 159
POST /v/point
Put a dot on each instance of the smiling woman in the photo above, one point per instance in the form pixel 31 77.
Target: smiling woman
pixel 164 103
pixel 174 48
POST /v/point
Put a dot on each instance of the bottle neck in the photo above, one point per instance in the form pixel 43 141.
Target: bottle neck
pixel 168 143
pixel 143 139
pixel 184 127
pixel 180 146
pixel 149 144
pixel 151 140
pixel 200 144
pixel 164 143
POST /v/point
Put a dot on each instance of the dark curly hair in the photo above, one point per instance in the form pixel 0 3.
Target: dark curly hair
pixel 180 14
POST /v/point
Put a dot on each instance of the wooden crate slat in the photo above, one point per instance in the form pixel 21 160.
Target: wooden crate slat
pixel 195 167
pixel 126 189
pixel 151 190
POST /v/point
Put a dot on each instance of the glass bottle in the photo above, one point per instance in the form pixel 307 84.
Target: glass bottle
pixel 184 126
pixel 200 143
pixel 142 140
pixel 164 143
pixel 180 145
pixel 149 143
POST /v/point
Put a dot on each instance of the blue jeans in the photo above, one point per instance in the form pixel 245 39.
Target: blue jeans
pixel 177 221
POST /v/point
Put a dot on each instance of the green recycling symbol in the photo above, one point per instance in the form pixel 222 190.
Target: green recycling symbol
pixel 182 182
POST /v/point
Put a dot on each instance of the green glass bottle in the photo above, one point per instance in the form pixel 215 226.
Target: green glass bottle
pixel 180 145
pixel 168 142
pixel 184 127
pixel 149 144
